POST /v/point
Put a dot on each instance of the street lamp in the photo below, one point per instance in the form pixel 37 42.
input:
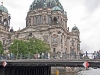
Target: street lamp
pixel 17 51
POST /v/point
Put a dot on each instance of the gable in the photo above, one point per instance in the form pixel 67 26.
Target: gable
pixel 27 29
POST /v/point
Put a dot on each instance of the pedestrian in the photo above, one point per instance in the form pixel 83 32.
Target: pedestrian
pixel 38 56
pixel 48 55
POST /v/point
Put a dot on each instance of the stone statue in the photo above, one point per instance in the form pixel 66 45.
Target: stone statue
pixel 9 17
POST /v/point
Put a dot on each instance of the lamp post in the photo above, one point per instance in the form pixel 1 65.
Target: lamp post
pixel 17 51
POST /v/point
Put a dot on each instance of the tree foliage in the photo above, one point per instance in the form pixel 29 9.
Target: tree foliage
pixel 37 46
pixel 30 46
pixel 18 46
pixel 1 48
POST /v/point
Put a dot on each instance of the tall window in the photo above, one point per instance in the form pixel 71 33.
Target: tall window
pixel 54 49
pixel 54 20
pixel 5 22
pixel 49 20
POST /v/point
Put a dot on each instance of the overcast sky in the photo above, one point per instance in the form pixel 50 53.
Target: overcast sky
pixel 84 13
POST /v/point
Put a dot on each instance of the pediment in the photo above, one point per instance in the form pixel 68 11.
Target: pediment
pixel 27 29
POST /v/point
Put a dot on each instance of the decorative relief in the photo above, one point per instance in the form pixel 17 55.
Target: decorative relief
pixel 54 38
pixel 45 37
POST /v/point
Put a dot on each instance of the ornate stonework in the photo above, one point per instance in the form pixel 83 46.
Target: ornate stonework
pixel 46 23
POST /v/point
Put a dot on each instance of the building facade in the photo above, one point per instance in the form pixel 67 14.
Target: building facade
pixel 45 20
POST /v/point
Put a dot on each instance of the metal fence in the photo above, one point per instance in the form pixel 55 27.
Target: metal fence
pixel 47 56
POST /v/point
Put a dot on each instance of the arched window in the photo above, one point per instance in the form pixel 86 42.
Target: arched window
pixel 55 21
pixel 5 22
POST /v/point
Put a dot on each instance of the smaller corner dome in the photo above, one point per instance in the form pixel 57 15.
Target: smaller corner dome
pixel 4 9
pixel 75 28
pixel 56 8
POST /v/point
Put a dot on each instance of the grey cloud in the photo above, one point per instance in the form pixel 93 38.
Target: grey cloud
pixel 91 5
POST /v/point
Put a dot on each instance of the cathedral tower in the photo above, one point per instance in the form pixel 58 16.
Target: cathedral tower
pixel 4 25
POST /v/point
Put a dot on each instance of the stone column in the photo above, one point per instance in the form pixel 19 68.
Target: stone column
pixel 68 44
pixel 34 20
pixel 76 46
pixel 50 39
pixel 63 39
pixel 44 19
pixel 31 21
pixel 59 42
pixel 65 24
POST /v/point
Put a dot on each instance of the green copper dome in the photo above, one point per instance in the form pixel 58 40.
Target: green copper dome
pixel 4 9
pixel 45 3
pixel 75 28
pixel 56 8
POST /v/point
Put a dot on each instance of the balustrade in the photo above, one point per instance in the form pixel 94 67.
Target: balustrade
pixel 47 56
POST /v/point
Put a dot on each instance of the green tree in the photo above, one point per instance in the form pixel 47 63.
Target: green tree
pixel 18 46
pixel 37 46
pixel 30 46
pixel 1 48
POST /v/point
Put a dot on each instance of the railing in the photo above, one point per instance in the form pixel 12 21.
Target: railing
pixel 49 56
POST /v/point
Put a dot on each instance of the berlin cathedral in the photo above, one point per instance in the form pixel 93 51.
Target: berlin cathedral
pixel 45 20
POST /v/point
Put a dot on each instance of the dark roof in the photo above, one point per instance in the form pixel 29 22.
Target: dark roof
pixel 45 3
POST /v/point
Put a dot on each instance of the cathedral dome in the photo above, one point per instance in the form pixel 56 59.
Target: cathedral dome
pixel 56 8
pixel 4 9
pixel 75 28
pixel 48 3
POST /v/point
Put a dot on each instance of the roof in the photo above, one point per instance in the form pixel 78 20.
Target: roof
pixel 4 9
pixel 56 8
pixel 48 3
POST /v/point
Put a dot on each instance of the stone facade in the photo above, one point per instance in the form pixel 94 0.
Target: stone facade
pixel 45 23
pixel 4 29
